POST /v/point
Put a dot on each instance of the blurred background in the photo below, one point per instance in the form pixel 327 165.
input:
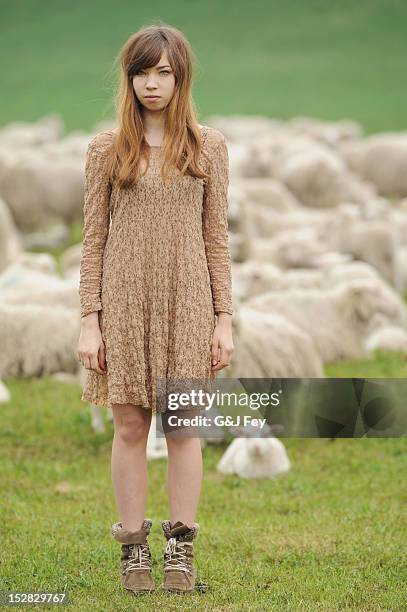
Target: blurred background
pixel 330 60
pixel 311 99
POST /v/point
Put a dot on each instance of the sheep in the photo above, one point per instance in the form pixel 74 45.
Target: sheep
pixel 387 338
pixel 65 296
pixel 41 190
pixel 380 159
pixel 18 134
pixel 55 236
pixel 70 259
pixel 400 265
pixel 290 249
pixel 314 173
pixel 10 241
pixel 255 457
pixel 337 318
pixel 346 271
pixel 24 281
pixel 265 191
pixel 328 132
pixel 269 345
pixel 37 340
pixel 258 220
pixel 5 395
pixel 27 262
pixel 252 278
pixel 237 247
pixel 374 242
pixel 323 239
pixel 31 271
pixel 398 218
pixel 244 128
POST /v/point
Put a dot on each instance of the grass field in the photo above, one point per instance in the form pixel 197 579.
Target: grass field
pixel 328 536
pixel 333 60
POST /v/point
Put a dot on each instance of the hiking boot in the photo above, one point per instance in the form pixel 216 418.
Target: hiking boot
pixel 179 569
pixel 135 566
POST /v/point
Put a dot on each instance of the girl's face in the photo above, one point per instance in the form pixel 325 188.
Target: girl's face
pixel 156 81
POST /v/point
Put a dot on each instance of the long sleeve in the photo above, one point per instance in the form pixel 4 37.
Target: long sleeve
pixel 96 221
pixel 215 224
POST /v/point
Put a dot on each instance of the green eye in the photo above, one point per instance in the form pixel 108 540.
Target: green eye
pixel 161 72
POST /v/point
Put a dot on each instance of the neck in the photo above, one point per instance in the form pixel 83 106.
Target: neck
pixel 153 121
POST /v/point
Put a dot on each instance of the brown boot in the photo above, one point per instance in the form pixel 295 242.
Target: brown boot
pixel 135 566
pixel 179 569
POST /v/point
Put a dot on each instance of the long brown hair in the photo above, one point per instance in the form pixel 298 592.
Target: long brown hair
pixel 182 144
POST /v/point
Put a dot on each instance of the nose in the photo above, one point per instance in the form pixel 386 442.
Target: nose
pixel 150 82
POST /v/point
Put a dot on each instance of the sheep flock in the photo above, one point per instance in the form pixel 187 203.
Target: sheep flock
pixel 318 237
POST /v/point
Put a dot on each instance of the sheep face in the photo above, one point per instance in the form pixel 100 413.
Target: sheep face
pixel 368 299
pixel 258 447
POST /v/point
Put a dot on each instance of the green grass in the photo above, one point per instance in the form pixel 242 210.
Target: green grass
pixel 328 536
pixel 333 60
pixel 382 365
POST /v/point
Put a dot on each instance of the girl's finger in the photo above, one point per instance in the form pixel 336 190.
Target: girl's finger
pixel 215 355
pixel 102 357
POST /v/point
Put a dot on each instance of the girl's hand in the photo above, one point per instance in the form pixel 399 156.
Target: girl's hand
pixel 91 348
pixel 222 342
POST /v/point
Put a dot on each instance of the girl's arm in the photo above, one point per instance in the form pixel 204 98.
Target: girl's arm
pixel 96 215
pixel 215 224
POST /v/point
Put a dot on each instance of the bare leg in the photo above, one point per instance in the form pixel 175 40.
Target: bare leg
pixel 184 473
pixel 129 462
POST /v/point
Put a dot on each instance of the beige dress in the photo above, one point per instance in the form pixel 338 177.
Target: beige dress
pixel 156 265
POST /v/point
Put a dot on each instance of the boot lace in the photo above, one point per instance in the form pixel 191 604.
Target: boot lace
pixel 176 556
pixel 139 558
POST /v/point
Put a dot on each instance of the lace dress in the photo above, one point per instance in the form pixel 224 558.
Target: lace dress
pixel 156 265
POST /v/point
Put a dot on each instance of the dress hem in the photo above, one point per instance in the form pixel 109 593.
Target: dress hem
pixel 107 401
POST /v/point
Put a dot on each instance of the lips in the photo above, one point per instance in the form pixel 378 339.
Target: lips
pixel 152 97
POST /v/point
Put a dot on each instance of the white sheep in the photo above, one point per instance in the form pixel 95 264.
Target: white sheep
pixel 252 278
pixel 330 133
pixel 41 190
pixel 375 242
pixel 380 159
pixel 70 260
pixel 10 240
pixel 244 128
pixel 259 220
pixel 387 338
pixel 338 318
pixel 37 340
pixel 265 191
pixel 65 296
pixel 156 445
pixel 27 281
pixel 18 134
pixel 269 345
pixel 27 262
pixel 255 457
pixel 5 395
pixel 400 267
pixel 296 248
pixel 313 172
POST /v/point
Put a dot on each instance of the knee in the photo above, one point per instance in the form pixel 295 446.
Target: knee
pixel 132 426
